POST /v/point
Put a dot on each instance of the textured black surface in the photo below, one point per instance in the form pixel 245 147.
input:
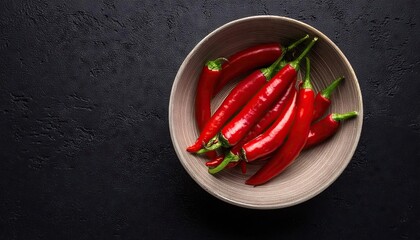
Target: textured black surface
pixel 85 145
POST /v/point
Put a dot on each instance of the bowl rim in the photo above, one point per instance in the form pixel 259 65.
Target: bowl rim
pixel 333 177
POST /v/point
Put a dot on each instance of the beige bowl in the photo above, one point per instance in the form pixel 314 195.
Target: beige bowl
pixel 314 170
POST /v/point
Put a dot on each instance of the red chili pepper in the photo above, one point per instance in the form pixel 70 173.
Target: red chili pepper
pixel 219 159
pixel 264 122
pixel 322 99
pixel 269 117
pixel 238 97
pixel 247 117
pixel 236 129
pixel 273 137
pixel 208 78
pixel 296 139
pixel 215 161
pixel 326 127
pixel 252 58
pixel 233 155
pixel 321 130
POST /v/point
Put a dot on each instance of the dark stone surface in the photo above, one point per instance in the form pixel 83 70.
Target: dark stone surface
pixel 85 146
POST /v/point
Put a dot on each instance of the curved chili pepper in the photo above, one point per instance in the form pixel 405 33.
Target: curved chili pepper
pixel 238 97
pixel 236 129
pixel 270 116
pixel 240 63
pixel 326 127
pixel 296 139
pixel 208 78
pixel 273 137
pixel 234 154
pixel 321 130
pixel 323 99
pixel 252 58
pixel 318 133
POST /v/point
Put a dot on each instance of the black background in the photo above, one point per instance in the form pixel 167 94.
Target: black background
pixel 85 145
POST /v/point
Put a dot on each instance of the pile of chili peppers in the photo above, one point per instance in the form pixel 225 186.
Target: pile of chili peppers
pixel 268 116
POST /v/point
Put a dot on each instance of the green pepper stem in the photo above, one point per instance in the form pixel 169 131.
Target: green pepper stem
pixel 230 157
pixel 307 81
pixel 340 117
pixel 326 93
pixel 295 44
pixel 281 65
pixel 213 144
pixel 295 63
pixel 216 64
pixel 280 62
pixel 269 71
pixel 210 148
pixel 225 143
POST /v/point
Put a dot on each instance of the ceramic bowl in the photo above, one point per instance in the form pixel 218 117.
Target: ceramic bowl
pixel 315 169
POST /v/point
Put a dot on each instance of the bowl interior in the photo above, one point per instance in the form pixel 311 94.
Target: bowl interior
pixel 314 169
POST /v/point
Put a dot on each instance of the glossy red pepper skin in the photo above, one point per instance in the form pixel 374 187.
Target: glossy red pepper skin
pixel 208 78
pixel 325 128
pixel 268 118
pixel 251 58
pixel 296 140
pixel 320 106
pixel 236 129
pixel 294 144
pixel 219 159
pixel 267 142
pixel 246 60
pixel 214 161
pixel 323 99
pixel 263 124
pixel 238 97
